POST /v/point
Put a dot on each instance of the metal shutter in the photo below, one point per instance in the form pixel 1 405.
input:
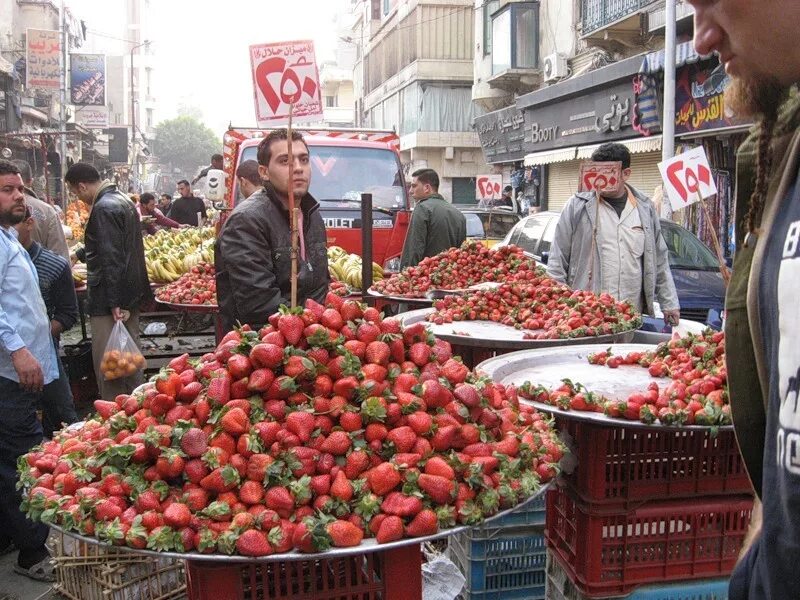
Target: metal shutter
pixel 644 172
pixel 562 183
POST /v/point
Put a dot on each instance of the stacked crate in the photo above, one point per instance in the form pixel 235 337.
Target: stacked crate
pixel 644 507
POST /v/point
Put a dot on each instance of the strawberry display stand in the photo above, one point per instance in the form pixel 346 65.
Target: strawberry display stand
pixel 477 341
pixel 193 308
pixel 647 503
pixel 370 571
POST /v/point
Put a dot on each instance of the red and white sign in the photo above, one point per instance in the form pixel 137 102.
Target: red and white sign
pixel 601 176
pixel 285 73
pixel 687 178
pixel 489 187
pixel 43 59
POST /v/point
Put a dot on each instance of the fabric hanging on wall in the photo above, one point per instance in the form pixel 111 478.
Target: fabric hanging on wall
pixel 447 109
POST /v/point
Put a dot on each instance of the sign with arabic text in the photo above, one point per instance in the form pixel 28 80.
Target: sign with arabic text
pixel 42 59
pixel 285 73
pixel 489 187
pixel 700 99
pixel 687 178
pixel 92 117
pixel 87 79
pixel 501 134
pixel 601 176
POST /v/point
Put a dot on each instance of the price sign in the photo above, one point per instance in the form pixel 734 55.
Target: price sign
pixel 489 187
pixel 285 73
pixel 687 178
pixel 601 176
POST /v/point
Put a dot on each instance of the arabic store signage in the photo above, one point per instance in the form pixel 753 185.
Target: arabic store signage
pixel 699 99
pixel 602 115
pixel 42 59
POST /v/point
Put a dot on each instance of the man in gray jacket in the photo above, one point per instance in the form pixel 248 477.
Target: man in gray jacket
pixel 48 231
pixel 615 246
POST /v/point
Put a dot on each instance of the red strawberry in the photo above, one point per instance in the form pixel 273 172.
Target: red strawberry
pixel 377 353
pixel 440 489
pixel 332 319
pixel 177 515
pixel 291 325
pixel 279 499
pixel 454 371
pixel 251 492
pixel 357 462
pixel 194 442
pixel 235 421
pixel 383 478
pixel 266 356
pixel 397 503
pixel 169 383
pixel 342 488
pixel 437 465
pixel 351 310
pixel 189 392
pixel 253 543
pixel 390 530
pixel 106 409
pixel 403 438
pixel 420 354
pixel 106 510
pixel 337 443
pixel 344 534
pixel 221 479
pixel 300 423
pixel 219 389
pixel 260 380
pixel 425 523
pixel 368 332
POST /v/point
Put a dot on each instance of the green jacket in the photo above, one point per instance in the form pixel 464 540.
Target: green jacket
pixel 748 373
pixel 436 225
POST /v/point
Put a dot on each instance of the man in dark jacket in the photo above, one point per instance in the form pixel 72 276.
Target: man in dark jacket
pixel 253 251
pixel 436 225
pixel 756 42
pixel 187 209
pixel 116 272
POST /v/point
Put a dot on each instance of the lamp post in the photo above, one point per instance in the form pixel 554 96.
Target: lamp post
pixel 133 123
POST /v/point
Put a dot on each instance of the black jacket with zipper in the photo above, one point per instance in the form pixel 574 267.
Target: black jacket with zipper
pixel 253 259
pixel 114 254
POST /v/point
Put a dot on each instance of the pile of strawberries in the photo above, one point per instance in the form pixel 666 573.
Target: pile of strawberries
pixel 339 288
pixel 460 268
pixel 198 286
pixel 697 394
pixel 327 426
pixel 548 309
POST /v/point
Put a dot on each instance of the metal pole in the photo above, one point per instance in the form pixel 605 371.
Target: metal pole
pixel 366 245
pixel 135 165
pixel 668 117
pixel 62 117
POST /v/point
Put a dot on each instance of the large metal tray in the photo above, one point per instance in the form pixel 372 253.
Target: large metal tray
pixel 408 299
pixel 487 334
pixel 368 545
pixel 548 367
pixel 196 308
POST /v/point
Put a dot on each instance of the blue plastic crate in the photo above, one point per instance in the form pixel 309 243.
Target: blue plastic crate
pixel 510 565
pixel 530 514
pixel 559 587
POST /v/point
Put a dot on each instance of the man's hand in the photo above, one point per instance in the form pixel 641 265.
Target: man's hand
pixel 56 328
pixel 672 317
pixel 120 314
pixel 28 370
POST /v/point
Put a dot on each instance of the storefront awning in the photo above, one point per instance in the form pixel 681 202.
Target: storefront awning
pixel 636 146
pixel 550 156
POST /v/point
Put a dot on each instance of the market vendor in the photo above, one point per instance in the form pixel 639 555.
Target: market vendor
pixel 253 250
pixel 147 208
pixel 615 246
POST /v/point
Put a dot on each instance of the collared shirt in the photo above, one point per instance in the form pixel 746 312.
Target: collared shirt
pixel 23 315
pixel 621 242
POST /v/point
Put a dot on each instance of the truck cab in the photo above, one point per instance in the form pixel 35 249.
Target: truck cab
pixel 344 164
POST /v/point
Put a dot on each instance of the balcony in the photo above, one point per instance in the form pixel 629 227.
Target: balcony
pixel 624 15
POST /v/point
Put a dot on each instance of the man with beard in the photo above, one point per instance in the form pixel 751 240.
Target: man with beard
pixel 756 43
pixel 27 363
pixel 253 250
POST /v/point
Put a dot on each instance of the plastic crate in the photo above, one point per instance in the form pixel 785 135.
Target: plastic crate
pixel 531 514
pixel 390 575
pixel 609 553
pixel 90 572
pixel 621 466
pixel 559 587
pixel 508 565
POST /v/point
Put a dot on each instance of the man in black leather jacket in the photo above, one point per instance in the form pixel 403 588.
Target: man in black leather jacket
pixel 253 251
pixel 116 272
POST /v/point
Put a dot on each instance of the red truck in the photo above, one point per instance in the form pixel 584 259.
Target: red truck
pixel 344 164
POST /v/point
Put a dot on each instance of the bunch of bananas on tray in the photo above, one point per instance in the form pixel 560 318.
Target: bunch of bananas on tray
pixel 170 253
pixel 346 267
pixel 79 274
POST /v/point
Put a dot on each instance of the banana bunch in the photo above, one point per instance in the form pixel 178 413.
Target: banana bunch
pixel 170 253
pixel 79 274
pixel 346 267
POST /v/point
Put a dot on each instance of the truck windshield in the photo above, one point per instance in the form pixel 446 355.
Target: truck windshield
pixel 340 174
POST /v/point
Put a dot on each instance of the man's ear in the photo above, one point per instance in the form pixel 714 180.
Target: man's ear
pixel 263 172
pixel 626 173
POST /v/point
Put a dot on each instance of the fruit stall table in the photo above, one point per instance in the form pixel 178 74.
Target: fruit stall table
pixel 390 571
pixel 648 503
pixel 476 341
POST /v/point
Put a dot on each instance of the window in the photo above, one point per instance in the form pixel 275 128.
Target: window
pixel 488 8
pixel 463 192
pixel 515 31
pixel 148 81
pixel 330 101
pixel 149 118
pixel 531 234
pixel 388 6
pixel 685 250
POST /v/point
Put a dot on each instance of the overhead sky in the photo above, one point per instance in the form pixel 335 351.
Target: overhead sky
pixel 201 47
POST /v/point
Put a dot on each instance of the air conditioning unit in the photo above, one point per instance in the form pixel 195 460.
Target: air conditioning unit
pixel 554 67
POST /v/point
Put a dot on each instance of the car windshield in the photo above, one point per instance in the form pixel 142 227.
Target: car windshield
pixel 491 225
pixel 343 174
pixel 686 251
pixel 474 226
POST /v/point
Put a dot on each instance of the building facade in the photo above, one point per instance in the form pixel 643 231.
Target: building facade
pixel 414 74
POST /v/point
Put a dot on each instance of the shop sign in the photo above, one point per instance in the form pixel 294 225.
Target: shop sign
pixel 43 59
pixel 687 178
pixel 87 79
pixel 700 99
pixel 489 187
pixel 501 134
pixel 285 74
pixel 92 117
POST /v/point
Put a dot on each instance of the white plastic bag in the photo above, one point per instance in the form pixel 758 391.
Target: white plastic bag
pixel 441 578
pixel 121 357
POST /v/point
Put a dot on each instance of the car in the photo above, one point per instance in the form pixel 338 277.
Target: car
pixel 695 269
pixel 489 226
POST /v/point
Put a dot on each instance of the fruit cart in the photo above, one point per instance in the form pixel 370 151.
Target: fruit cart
pixel 649 503
pixel 476 341
pixel 390 571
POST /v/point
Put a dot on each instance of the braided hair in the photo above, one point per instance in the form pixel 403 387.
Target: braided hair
pixel 763 168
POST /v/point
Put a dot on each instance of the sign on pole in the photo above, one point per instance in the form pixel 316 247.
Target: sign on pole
pixel 687 178
pixel 87 79
pixel 489 187
pixel 42 59
pixel 601 176
pixel 92 117
pixel 285 74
